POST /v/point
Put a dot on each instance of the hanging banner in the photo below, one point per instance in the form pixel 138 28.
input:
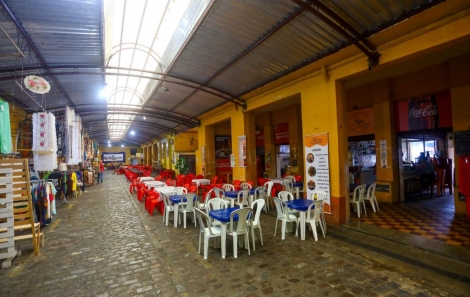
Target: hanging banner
pixel 242 151
pixel 317 175
pixel 281 134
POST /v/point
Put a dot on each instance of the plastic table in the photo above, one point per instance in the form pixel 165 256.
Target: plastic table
pixel 300 205
pixel 223 216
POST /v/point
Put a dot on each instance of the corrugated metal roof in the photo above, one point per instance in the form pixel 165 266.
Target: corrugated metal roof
pixel 237 47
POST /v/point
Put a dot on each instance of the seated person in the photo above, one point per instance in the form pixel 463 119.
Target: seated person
pixel 426 172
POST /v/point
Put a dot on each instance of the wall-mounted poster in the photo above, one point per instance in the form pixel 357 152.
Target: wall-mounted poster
pixel 203 154
pixel 242 151
pixel 113 157
pixel 232 160
pixel 317 175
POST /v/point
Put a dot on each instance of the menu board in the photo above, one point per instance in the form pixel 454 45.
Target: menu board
pixel 317 175
pixel 462 143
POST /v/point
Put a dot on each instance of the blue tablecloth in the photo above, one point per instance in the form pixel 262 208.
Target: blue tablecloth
pixel 300 204
pixel 234 194
pixel 223 215
pixel 177 198
pixel 298 184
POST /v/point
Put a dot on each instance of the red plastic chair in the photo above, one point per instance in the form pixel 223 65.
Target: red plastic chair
pixel 192 189
pixel 140 194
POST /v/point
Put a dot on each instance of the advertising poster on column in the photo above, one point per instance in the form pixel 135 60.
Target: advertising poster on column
pixel 242 151
pixel 317 175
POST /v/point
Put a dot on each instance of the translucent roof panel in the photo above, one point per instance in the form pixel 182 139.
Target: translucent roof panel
pixel 137 34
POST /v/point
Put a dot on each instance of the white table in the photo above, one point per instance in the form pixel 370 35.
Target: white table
pixel 155 183
pixel 201 181
pixel 145 178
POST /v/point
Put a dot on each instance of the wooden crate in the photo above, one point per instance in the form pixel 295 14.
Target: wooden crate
pixel 7 220
pixel 22 203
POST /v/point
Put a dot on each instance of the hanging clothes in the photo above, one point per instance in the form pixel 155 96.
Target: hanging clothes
pixel 5 131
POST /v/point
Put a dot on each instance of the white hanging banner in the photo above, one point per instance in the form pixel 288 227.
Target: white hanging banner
pixel 317 175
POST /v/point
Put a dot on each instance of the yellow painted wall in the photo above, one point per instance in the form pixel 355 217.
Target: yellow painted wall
pixel 17 116
pixel 186 142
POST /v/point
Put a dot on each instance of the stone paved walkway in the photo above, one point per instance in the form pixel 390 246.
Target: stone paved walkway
pixel 104 243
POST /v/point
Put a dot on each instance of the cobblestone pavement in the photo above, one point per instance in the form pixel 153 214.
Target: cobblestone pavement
pixel 104 243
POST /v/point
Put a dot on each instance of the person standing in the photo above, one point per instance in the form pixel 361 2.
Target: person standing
pixel 100 175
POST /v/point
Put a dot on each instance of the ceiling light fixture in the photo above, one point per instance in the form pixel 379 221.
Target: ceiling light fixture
pixel 145 118
pixel 132 132
pixel 122 145
pixel 109 144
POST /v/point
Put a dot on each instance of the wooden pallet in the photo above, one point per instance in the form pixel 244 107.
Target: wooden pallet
pixel 7 221
pixel 22 204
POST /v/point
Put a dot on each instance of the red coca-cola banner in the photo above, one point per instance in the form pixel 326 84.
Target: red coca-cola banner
pixel 424 112
pixel 281 134
pixel 222 165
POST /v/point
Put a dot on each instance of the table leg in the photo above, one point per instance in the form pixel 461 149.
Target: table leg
pixel 175 215
pixel 302 225
pixel 297 190
pixel 232 202
pixel 223 236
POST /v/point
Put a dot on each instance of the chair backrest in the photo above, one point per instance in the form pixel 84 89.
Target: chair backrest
pixel 228 187
pixel 260 193
pixel 192 189
pixel 359 192
pixel 316 211
pixel 318 195
pixel 371 191
pixel 180 191
pixel 189 206
pixel 244 216
pixel 290 177
pixel 242 196
pixel 245 186
pixel 259 204
pixel 214 180
pixel 166 200
pixel 288 185
pixel 216 203
pixel 219 193
pixel 205 221
pixel 285 196
pixel 281 207
pixel 269 188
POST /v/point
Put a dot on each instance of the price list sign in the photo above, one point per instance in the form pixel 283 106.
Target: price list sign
pixel 317 175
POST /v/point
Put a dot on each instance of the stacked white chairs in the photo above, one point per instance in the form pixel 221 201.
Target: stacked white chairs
pixel 370 196
pixel 358 199
pixel 284 216
pixel 255 223
pixel 207 229
pixel 269 187
pixel 168 207
pixel 245 186
pixel 241 227
pixel 228 187
pixel 188 206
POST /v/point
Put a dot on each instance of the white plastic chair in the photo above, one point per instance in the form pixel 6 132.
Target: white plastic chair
pixel 242 198
pixel 260 193
pixel 358 198
pixel 169 207
pixel 207 230
pixel 255 223
pixel 228 187
pixel 241 227
pixel 287 196
pixel 181 191
pixel 370 196
pixel 284 216
pixel 215 203
pixel 269 188
pixel 206 200
pixel 316 218
pixel 320 195
pixel 245 186
pixel 188 206
pixel 288 185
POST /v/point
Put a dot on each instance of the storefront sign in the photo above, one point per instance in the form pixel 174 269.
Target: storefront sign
pixel 424 113
pixel 242 151
pixel 281 134
pixel 317 175
pixel 360 121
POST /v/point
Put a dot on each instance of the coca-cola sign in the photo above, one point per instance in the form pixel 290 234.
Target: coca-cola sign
pixel 424 112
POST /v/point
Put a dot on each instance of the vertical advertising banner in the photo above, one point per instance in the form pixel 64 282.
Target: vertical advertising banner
pixel 242 151
pixel 317 175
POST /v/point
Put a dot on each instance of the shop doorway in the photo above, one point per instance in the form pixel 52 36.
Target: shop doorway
pixel 191 161
pixel 435 146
